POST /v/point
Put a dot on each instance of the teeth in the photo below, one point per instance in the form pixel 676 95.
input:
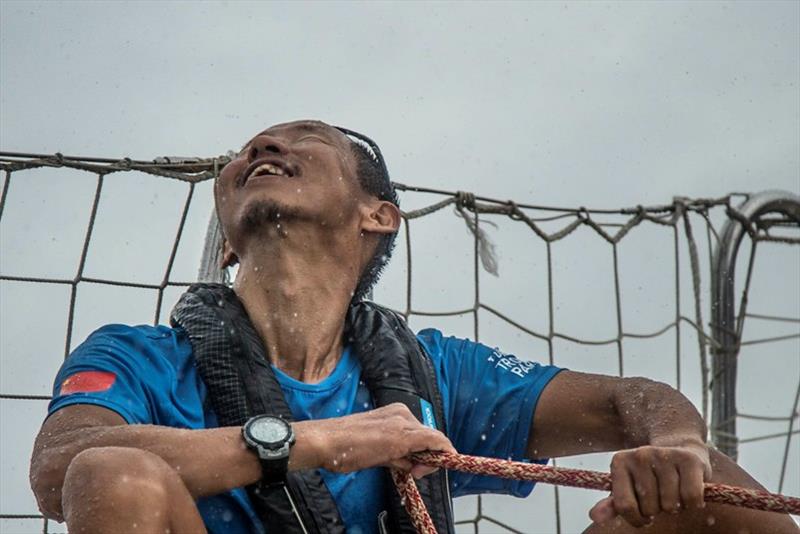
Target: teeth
pixel 269 169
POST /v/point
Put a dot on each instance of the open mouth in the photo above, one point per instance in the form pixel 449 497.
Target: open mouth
pixel 266 169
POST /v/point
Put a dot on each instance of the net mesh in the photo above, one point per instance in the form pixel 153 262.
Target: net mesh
pixel 506 261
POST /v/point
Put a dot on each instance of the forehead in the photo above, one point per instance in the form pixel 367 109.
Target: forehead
pixel 297 128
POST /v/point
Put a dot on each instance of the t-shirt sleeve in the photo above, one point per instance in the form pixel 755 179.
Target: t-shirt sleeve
pixel 112 369
pixel 491 398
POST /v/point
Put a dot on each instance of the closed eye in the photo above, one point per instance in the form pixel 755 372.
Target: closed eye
pixel 312 138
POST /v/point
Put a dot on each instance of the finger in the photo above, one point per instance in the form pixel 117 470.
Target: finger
pixel 691 487
pixel 624 496
pixel 669 488
pixel 401 464
pixel 645 484
pixel 421 470
pixel 427 439
pixel 603 511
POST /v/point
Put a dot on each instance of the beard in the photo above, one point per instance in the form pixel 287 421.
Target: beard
pixel 267 213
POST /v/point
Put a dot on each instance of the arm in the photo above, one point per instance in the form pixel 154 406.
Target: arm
pixel 580 413
pixel 212 461
pixel 669 461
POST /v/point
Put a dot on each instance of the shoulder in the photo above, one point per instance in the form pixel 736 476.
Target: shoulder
pixel 151 343
pixel 439 346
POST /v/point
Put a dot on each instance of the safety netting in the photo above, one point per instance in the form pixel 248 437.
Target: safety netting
pixel 653 291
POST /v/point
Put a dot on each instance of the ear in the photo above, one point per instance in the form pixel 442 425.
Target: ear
pixel 228 258
pixel 381 217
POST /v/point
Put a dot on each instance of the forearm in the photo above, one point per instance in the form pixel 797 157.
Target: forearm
pixel 653 413
pixel 216 460
pixel 208 461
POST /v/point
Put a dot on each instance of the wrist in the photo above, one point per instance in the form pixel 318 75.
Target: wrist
pixel 308 447
pixel 693 442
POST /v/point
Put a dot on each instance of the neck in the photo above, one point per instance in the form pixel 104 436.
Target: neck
pixel 296 292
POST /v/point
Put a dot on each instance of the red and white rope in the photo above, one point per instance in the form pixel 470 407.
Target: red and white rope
pixel 578 478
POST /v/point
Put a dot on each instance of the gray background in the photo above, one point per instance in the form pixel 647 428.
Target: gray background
pixel 596 104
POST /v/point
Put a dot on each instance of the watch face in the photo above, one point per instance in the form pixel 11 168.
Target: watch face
pixel 269 430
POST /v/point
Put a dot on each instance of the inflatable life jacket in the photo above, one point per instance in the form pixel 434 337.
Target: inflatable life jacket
pixel 231 360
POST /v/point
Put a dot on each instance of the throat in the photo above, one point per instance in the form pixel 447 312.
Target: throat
pixel 310 370
pixel 298 302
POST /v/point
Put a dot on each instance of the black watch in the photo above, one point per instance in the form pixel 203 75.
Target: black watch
pixel 271 438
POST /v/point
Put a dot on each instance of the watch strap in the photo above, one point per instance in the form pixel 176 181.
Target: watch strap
pixel 273 471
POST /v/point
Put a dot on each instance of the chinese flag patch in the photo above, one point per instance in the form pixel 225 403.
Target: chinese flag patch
pixel 88 382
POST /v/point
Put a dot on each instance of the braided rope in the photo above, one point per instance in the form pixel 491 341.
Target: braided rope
pixel 561 476
pixel 413 502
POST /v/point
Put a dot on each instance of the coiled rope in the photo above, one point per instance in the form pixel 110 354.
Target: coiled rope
pixel 578 478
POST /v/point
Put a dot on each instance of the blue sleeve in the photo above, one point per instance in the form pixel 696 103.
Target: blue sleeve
pixel 127 359
pixel 489 400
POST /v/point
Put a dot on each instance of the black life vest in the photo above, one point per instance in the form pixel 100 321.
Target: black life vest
pixel 232 362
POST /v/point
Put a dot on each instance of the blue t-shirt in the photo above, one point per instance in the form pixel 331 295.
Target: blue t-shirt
pixel 147 375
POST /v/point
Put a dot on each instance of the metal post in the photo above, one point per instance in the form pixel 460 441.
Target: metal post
pixel 723 309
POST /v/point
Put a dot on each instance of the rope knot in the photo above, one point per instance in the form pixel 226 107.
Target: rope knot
pixel 465 199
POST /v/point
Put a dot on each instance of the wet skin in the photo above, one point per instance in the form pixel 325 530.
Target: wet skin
pixel 302 240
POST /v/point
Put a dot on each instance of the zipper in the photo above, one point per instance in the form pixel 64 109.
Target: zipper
pixel 294 510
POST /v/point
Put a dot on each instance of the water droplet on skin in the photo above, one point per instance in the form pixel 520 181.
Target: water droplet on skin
pixel 299 190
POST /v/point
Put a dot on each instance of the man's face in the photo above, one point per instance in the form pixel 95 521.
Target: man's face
pixel 298 171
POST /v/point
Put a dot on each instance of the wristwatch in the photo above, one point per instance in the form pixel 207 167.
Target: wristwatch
pixel 271 438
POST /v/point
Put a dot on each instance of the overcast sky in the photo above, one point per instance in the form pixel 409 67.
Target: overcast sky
pixel 597 104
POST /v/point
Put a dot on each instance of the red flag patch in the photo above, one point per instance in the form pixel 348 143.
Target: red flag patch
pixel 88 382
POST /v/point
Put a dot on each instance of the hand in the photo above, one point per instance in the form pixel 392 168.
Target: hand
pixel 649 480
pixel 381 437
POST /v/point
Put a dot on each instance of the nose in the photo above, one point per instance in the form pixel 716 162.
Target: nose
pixel 266 144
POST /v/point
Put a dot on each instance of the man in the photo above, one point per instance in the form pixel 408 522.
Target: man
pixel 145 431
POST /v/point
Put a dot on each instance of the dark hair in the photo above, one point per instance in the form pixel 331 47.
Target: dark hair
pixel 374 179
